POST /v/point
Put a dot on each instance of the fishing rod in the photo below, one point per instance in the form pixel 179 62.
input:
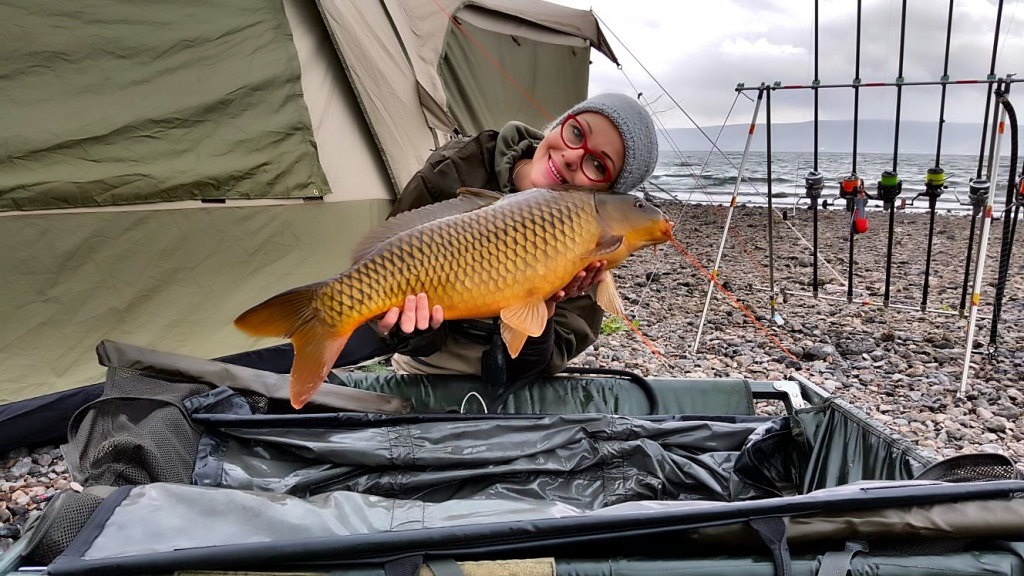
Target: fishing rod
pixel 728 219
pixel 852 186
pixel 890 185
pixel 814 182
pixel 991 80
pixel 979 194
pixel 935 177
pixel 986 225
pixel 1009 228
pixel 771 215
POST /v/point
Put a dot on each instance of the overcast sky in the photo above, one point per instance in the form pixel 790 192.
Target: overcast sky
pixel 700 49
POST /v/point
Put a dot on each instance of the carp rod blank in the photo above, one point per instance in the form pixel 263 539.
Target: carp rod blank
pixel 852 187
pixel 935 179
pixel 890 185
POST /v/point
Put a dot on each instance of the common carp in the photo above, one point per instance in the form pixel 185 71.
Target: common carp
pixel 478 255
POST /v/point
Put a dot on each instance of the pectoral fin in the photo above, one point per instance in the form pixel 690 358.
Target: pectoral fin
pixel 522 320
pixel 608 296
pixel 607 244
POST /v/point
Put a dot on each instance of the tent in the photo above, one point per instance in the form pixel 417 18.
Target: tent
pixel 165 165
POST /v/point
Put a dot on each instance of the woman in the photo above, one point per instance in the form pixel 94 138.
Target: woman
pixel 607 142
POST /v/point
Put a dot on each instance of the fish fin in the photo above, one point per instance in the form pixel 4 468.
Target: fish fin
pixel 514 339
pixel 316 349
pixel 279 316
pixel 291 315
pixel 480 193
pixel 525 319
pixel 607 244
pixel 468 199
pixel 607 296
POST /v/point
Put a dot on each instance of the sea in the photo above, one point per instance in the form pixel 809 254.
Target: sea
pixel 700 177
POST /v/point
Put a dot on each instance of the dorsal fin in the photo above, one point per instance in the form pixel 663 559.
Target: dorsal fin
pixel 468 199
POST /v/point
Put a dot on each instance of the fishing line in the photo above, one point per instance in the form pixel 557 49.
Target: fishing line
pixel 711 277
pixel 696 177
pixel 714 143
pixel 491 58
pixel 720 130
pixel 674 101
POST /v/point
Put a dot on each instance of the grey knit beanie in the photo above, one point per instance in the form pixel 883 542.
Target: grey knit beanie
pixel 637 129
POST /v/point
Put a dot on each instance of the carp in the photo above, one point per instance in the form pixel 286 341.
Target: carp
pixel 478 255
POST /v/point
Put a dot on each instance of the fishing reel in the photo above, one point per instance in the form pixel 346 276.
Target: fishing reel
pixel 814 183
pixel 889 187
pixel 850 189
pixel 934 186
pixel 1019 198
pixel 978 193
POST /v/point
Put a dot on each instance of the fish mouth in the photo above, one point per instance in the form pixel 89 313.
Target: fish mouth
pixel 666 230
pixel 555 172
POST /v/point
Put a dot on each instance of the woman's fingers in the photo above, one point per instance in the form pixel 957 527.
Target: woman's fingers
pixel 436 316
pixel 389 320
pixel 408 321
pixel 422 312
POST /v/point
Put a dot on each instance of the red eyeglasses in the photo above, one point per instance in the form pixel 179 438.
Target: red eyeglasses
pixel 573 136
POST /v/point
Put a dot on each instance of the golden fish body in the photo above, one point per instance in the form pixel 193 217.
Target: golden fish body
pixel 480 255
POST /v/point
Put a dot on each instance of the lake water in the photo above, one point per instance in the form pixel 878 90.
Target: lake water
pixel 675 175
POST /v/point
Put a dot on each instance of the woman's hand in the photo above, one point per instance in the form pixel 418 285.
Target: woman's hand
pixel 416 315
pixel 593 273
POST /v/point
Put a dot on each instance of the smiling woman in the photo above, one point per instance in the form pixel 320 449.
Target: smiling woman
pixel 607 142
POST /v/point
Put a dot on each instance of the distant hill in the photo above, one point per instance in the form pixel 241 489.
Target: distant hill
pixel 837 136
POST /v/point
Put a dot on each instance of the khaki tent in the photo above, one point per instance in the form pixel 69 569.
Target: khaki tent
pixel 165 166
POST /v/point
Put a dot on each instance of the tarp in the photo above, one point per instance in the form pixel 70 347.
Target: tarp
pixel 146 104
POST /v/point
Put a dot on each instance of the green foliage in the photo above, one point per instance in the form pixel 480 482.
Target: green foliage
pixel 614 324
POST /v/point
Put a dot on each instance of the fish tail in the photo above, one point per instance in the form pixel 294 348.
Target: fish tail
pixel 291 315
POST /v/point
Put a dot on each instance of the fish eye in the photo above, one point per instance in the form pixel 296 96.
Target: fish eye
pixel 639 204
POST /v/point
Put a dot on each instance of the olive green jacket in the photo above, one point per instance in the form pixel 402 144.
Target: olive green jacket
pixel 486 161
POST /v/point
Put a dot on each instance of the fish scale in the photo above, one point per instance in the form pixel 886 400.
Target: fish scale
pixel 477 256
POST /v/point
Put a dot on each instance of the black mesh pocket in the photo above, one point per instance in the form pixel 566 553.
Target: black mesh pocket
pixel 61 522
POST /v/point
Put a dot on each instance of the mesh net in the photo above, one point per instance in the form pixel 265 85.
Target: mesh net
pixel 137 432
pixel 61 523
pixel 980 467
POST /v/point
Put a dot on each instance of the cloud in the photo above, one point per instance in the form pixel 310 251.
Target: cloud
pixel 700 51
